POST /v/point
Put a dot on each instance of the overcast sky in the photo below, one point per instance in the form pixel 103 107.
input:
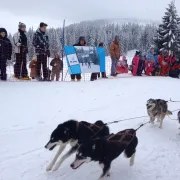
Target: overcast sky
pixel 32 12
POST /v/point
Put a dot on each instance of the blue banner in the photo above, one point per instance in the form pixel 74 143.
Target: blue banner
pixel 83 59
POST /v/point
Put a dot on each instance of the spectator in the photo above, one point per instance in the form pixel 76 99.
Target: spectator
pixel 150 62
pixel 135 63
pixel 5 52
pixel 95 76
pixel 82 42
pixel 21 50
pixel 33 67
pixel 175 70
pixel 57 66
pixel 157 69
pixel 164 62
pixel 41 44
pixel 172 59
pixel 141 64
pixel 122 66
pixel 115 55
pixel 103 73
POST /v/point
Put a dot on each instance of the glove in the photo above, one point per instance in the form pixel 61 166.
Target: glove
pixel 48 53
pixel 55 64
pixel 18 44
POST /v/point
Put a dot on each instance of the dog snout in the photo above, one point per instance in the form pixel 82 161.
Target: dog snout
pixel 46 146
pixel 72 165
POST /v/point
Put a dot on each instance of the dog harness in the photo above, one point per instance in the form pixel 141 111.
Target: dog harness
pixel 123 137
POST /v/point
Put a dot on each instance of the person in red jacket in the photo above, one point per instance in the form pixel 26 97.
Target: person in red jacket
pixel 135 63
pixel 164 62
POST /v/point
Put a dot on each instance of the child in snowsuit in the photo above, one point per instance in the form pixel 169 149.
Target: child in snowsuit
pixel 122 66
pixel 57 66
pixel 135 63
pixel 164 62
pixel 175 70
pixel 150 62
pixel 141 64
pixel 156 66
pixel 33 67
pixel 5 52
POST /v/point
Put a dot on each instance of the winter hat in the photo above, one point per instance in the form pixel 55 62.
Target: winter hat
pixel 3 30
pixel 43 24
pixel 101 44
pixel 21 25
pixel 82 38
pixel 117 38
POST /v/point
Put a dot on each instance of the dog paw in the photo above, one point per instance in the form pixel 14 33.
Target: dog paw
pixel 56 168
pixel 108 174
pixel 49 168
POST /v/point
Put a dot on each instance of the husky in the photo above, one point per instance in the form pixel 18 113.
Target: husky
pixel 157 108
pixel 74 133
pixel 105 150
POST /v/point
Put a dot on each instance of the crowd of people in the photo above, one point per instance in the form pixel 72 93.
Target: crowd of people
pixel 154 63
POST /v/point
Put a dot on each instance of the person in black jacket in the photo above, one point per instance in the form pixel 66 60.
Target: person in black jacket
pixel 82 42
pixel 41 44
pixel 21 50
pixel 5 52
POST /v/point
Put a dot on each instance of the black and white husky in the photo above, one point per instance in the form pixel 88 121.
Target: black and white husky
pixel 157 108
pixel 74 133
pixel 105 150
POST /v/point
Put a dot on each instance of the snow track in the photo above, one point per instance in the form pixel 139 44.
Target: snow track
pixel 30 111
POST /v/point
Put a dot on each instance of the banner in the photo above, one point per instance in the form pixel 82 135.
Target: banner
pixel 83 59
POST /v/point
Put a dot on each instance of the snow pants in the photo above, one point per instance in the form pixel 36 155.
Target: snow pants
pixel 3 61
pixel 165 69
pixel 42 60
pixel 113 66
pixel 149 68
pixel 20 69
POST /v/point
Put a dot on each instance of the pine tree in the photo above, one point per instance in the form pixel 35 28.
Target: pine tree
pixel 168 32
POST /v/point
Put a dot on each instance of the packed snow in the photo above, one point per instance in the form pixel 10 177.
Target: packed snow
pixel 30 111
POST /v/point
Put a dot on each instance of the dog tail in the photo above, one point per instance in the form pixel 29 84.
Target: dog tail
pixel 169 112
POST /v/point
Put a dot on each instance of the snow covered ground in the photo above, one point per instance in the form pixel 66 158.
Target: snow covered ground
pixel 29 112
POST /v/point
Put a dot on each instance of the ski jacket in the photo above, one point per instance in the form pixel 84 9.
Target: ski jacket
pixel 41 42
pixel 5 46
pixel 20 42
pixel 150 57
pixel 57 65
pixel 115 50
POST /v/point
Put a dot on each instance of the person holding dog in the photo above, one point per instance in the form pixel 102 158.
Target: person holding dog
pixel 115 54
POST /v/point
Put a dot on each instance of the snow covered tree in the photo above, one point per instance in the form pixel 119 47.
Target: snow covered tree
pixel 168 32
